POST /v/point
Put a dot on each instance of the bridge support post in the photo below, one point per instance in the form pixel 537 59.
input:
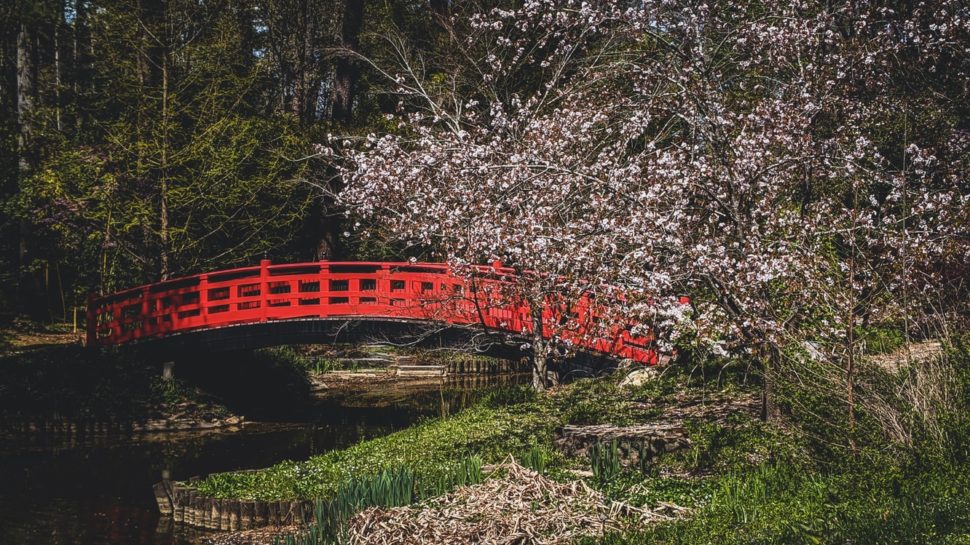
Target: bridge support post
pixel 168 370
pixel 264 289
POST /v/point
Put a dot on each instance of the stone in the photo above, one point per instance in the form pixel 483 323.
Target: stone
pixel 637 445
pixel 639 377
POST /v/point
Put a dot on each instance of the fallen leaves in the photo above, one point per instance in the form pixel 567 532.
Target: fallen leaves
pixel 515 505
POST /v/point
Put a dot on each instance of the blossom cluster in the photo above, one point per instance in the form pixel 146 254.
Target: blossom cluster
pixel 732 152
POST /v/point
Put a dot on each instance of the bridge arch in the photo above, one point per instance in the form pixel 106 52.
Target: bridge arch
pixel 299 303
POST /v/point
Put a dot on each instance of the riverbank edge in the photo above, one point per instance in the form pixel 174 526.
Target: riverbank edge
pixel 184 503
pixel 15 427
pixel 181 500
pixel 645 435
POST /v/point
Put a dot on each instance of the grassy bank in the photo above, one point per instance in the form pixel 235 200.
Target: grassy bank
pixel 817 489
pixel 742 480
pixel 512 421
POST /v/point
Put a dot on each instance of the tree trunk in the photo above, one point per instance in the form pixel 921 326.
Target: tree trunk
pixel 329 220
pixel 306 83
pixel 26 104
pixel 540 350
pixel 58 24
pixel 770 412
pixel 328 227
pixel 850 379
pixel 164 269
pixel 347 70
pixel 153 76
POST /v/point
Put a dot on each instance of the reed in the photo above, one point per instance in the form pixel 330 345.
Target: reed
pixel 605 460
pixel 537 458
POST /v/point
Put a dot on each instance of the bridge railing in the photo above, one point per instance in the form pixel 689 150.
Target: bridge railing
pixel 428 292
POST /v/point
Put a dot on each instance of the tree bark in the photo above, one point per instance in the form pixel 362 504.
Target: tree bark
pixel 540 349
pixel 328 228
pixel 153 75
pixel 770 412
pixel 163 229
pixel 80 80
pixel 347 70
pixel 26 105
pixel 58 30
pixel 306 84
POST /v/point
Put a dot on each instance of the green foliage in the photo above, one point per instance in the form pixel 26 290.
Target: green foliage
pixel 881 339
pixel 746 481
pixel 427 448
pixel 648 489
pixel 512 420
pixel 605 461
pixel 781 504
pixel 757 484
pixel 536 458
pixel 509 395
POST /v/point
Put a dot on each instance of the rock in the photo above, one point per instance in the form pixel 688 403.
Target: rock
pixel 639 377
pixel 637 445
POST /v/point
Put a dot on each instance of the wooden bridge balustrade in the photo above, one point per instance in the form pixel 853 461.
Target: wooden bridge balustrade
pixel 425 292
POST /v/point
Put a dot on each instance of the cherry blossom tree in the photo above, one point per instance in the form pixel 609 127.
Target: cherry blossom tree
pixel 736 152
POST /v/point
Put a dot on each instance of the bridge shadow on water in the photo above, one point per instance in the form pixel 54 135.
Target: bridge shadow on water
pixel 228 362
pixel 251 383
pixel 70 489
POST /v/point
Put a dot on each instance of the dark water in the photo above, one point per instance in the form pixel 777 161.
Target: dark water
pixel 61 490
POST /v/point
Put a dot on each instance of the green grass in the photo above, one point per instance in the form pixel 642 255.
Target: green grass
pixel 604 458
pixel 782 504
pixel 759 484
pixel 427 448
pixel 508 421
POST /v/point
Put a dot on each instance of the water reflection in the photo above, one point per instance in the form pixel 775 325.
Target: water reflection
pixel 97 489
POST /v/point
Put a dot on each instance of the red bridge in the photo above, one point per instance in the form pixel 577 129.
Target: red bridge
pixel 291 303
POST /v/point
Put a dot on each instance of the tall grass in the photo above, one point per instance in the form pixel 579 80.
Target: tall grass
pixel 536 458
pixel 605 460
pixel 392 487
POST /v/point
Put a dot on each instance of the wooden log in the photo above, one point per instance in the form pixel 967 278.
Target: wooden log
pixel 273 513
pixel 212 521
pixel 246 509
pixel 234 509
pixel 261 514
pixel 190 511
pixel 205 515
pixel 163 497
pixel 178 503
pixel 224 520
pixel 304 511
pixel 199 504
pixel 201 513
pixel 633 442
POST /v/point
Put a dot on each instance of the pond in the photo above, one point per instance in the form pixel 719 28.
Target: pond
pixel 98 490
